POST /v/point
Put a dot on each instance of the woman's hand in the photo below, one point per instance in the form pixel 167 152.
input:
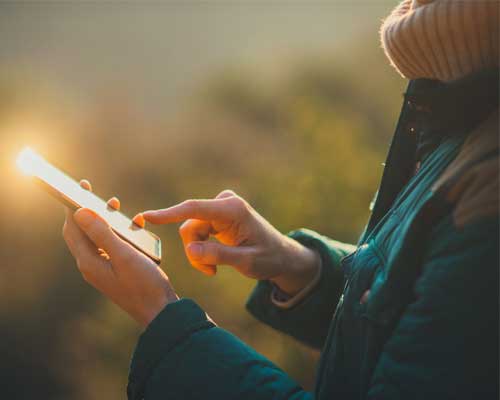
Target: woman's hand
pixel 115 268
pixel 246 241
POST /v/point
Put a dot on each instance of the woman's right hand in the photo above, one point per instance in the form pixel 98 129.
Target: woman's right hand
pixel 245 240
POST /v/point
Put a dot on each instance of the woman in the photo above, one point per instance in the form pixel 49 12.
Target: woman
pixel 410 312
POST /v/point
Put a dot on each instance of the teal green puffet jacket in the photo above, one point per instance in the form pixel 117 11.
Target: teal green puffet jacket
pixel 410 313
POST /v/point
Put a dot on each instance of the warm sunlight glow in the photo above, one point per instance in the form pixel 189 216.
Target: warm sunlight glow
pixel 27 161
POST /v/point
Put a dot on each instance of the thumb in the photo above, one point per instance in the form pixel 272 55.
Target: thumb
pixel 99 232
pixel 213 253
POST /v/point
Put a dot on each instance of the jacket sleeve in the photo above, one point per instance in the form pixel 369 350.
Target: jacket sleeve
pixel 183 355
pixel 307 321
pixel 445 345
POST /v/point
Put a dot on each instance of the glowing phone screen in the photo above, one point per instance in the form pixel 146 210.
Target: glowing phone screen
pixel 72 194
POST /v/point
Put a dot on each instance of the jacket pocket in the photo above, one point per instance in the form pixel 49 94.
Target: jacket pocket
pixel 359 273
pixel 364 330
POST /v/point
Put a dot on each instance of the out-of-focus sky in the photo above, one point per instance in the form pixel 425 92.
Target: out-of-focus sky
pixel 160 51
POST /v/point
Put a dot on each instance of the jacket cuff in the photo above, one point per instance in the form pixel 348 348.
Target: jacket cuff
pixel 175 323
pixel 284 300
pixel 319 301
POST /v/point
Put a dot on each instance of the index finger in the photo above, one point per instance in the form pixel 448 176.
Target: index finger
pixel 206 210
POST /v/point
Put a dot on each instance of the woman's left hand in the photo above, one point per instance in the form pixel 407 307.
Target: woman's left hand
pixel 115 268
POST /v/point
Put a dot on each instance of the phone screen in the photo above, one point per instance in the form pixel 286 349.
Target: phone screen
pixel 73 195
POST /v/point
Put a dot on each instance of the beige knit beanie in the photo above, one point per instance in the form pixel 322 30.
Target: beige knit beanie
pixel 442 39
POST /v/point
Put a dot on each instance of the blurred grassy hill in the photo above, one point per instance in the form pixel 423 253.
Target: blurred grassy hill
pixel 304 145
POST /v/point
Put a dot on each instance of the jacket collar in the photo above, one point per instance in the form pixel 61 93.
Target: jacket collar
pixel 443 109
pixel 432 111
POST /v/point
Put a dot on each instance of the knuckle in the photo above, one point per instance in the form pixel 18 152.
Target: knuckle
pixel 191 203
pixel 235 201
pixel 226 193
pixel 239 204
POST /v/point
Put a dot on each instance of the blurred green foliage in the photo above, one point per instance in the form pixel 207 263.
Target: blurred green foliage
pixel 306 150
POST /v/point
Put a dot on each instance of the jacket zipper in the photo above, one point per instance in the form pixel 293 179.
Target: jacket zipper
pixel 323 370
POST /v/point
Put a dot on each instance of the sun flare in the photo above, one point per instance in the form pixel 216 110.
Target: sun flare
pixel 27 161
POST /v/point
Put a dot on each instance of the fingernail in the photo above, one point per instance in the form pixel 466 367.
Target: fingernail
pixel 114 203
pixel 85 184
pixel 84 217
pixel 139 220
pixel 195 250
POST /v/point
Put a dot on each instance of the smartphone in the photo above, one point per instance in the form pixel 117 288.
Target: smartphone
pixel 71 194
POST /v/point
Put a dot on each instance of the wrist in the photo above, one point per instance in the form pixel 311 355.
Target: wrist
pixel 301 266
pixel 152 312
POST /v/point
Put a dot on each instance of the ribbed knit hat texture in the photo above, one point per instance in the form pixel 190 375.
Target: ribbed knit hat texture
pixel 442 39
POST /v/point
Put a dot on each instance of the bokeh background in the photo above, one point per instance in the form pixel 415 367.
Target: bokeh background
pixel 290 103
